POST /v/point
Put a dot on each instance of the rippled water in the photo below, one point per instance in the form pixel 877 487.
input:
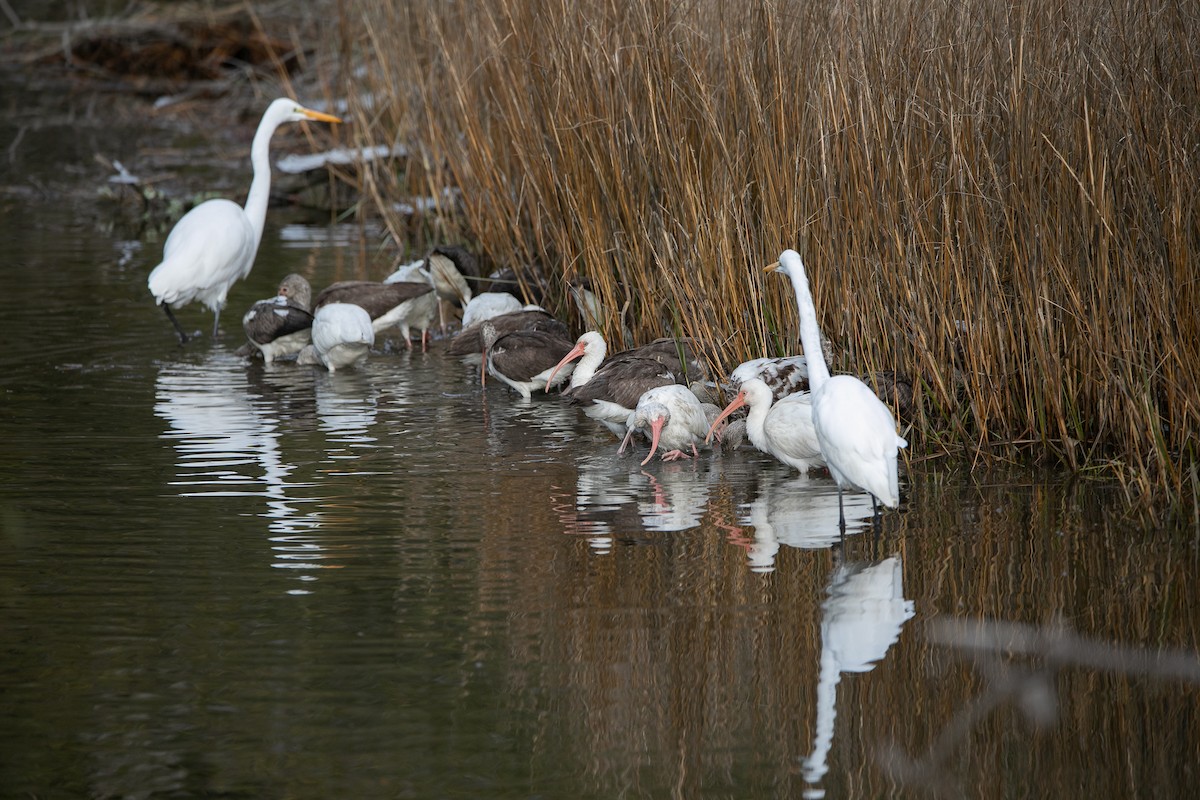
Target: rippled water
pixel 219 578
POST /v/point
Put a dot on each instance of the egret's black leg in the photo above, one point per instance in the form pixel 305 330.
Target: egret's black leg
pixel 183 337
pixel 841 515
pixel 876 520
pixel 216 320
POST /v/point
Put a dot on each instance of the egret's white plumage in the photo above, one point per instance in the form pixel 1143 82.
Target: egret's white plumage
pixel 781 428
pixel 214 244
pixel 341 336
pixel 856 431
pixel 674 417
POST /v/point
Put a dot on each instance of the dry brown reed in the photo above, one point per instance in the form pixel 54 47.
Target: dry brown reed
pixel 997 200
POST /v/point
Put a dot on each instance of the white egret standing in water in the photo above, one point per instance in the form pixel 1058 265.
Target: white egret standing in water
pixel 856 431
pixel 214 244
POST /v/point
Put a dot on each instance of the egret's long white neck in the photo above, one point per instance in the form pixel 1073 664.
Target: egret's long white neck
pixel 589 363
pixel 260 187
pixel 810 332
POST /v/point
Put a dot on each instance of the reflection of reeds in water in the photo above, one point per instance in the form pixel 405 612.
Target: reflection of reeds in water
pixel 665 667
pixel 999 200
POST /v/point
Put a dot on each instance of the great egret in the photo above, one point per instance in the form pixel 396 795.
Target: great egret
pixel 214 244
pixel 856 431
pixel 341 336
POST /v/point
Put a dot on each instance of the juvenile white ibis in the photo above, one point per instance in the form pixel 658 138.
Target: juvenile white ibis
pixel 675 418
pixel 468 344
pixel 784 376
pixel 678 355
pixel 607 392
pixel 341 336
pixel 856 431
pixel 781 428
pixel 405 305
pixel 448 268
pixel 214 244
pixel 523 359
pixel 591 310
pixel 281 325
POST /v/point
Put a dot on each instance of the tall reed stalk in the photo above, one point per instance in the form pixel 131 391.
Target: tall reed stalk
pixel 998 200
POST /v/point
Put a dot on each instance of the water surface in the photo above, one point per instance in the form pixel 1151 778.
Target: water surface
pixel 219 578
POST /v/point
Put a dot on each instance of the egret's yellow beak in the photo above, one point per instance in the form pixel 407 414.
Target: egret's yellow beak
pixel 319 116
pixel 771 267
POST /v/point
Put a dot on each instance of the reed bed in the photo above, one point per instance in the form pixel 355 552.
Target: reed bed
pixel 996 202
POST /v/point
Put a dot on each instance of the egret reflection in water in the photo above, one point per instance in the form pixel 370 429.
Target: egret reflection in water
pixel 861 619
pixel 799 511
pixel 225 428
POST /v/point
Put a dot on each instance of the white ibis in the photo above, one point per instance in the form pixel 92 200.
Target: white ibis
pixel 607 392
pixel 405 305
pixel 487 306
pixel 523 359
pixel 677 355
pixel 214 244
pixel 674 417
pixel 781 428
pixel 412 272
pixel 281 325
pixel 341 336
pixel 856 431
pixel 785 375
pixel 468 344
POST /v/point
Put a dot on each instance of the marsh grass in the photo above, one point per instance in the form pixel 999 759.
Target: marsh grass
pixel 997 200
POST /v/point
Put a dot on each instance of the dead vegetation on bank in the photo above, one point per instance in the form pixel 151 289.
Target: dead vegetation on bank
pixel 160 48
pixel 998 204
pixel 998 201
